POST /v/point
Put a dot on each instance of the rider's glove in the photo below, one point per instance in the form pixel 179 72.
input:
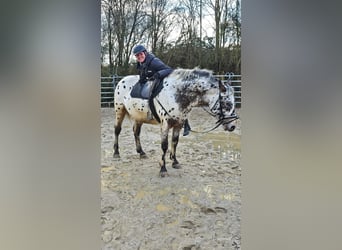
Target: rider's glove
pixel 156 76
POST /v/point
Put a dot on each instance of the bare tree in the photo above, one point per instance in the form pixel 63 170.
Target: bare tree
pixel 126 25
pixel 227 25
pixel 189 25
pixel 107 33
pixel 172 30
pixel 231 23
pixel 160 15
pixel 217 9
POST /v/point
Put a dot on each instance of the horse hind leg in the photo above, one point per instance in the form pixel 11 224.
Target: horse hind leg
pixel 120 113
pixel 136 131
pixel 174 143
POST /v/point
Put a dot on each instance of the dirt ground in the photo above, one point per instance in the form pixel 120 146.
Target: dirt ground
pixel 195 207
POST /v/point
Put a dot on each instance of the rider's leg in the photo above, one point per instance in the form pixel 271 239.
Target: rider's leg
pixel 187 128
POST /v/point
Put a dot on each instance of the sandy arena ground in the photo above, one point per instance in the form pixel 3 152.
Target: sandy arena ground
pixel 195 207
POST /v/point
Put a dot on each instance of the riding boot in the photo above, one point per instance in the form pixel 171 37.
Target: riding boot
pixel 187 128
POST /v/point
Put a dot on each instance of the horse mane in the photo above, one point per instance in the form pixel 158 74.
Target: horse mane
pixel 192 73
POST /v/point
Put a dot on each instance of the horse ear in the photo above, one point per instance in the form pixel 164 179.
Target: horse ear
pixel 222 87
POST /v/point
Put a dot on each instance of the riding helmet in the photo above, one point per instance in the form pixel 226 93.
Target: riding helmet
pixel 139 48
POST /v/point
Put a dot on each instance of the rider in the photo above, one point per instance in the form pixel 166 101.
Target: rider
pixel 151 67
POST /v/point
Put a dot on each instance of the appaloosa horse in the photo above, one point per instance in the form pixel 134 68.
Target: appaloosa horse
pixel 182 90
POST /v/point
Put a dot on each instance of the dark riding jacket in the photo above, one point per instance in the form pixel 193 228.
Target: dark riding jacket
pixel 152 68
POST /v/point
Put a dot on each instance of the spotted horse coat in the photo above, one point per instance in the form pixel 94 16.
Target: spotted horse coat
pixel 183 89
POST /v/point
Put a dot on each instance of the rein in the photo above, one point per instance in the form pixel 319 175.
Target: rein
pixel 222 119
pixel 218 123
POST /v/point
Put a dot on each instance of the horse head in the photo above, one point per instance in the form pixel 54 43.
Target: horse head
pixel 200 88
pixel 222 105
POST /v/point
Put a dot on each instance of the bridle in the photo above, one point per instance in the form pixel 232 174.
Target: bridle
pixel 222 119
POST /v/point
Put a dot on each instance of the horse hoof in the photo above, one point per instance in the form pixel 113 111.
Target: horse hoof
pixel 176 166
pixel 143 156
pixel 116 156
pixel 163 174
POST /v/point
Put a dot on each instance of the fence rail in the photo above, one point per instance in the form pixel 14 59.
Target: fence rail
pixel 108 84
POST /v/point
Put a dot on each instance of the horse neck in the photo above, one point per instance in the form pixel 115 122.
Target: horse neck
pixel 207 98
pixel 194 94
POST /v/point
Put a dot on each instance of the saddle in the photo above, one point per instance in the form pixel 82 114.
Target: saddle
pixel 148 91
pixel 142 90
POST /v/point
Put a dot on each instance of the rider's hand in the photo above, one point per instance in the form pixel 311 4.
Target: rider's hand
pixel 142 81
pixel 156 76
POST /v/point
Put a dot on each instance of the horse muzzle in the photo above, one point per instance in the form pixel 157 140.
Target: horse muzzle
pixel 229 123
pixel 229 127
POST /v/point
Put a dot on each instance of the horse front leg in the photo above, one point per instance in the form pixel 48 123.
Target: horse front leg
pixel 174 143
pixel 120 113
pixel 164 146
pixel 136 131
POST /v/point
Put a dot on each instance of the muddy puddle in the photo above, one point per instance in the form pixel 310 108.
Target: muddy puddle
pixel 195 207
